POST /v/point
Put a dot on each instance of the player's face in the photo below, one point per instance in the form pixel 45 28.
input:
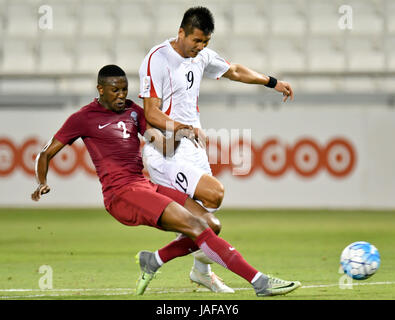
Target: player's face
pixel 194 42
pixel 113 93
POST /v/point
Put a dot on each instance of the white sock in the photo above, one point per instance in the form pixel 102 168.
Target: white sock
pixel 200 266
pixel 256 277
pixel 158 259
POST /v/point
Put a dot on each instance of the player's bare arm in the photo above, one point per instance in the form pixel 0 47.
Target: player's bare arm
pixel 238 72
pixel 166 146
pixel 158 119
pixel 42 163
pixel 201 137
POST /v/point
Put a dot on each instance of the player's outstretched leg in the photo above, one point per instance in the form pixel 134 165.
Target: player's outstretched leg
pixel 201 272
pixel 224 254
pixel 148 267
pixel 266 285
pixel 177 218
pixel 150 262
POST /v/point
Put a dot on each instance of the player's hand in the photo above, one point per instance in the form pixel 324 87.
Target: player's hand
pixel 42 188
pixel 184 131
pixel 286 89
pixel 200 137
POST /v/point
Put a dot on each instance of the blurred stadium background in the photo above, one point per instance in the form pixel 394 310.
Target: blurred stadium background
pixel 330 148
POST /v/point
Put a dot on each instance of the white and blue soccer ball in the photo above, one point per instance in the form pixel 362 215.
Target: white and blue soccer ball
pixel 360 260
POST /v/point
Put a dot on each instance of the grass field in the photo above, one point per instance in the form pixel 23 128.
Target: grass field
pixel 92 255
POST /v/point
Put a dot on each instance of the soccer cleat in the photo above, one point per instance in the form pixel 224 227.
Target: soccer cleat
pixel 209 280
pixel 271 286
pixel 148 267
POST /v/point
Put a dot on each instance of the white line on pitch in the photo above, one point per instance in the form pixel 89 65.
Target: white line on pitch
pixel 56 290
pixel 125 291
pixel 351 284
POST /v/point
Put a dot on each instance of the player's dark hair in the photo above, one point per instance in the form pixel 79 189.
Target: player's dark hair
pixel 200 18
pixel 110 70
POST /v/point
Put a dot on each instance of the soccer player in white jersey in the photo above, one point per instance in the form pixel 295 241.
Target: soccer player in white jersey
pixel 170 77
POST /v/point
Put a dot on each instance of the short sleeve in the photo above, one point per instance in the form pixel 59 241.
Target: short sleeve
pixel 152 75
pixel 216 66
pixel 71 129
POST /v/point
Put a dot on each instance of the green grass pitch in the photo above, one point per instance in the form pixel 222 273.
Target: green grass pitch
pixel 92 255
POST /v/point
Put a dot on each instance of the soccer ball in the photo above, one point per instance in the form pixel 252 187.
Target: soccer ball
pixel 360 260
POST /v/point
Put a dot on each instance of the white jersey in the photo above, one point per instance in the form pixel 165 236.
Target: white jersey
pixel 165 74
pixel 176 80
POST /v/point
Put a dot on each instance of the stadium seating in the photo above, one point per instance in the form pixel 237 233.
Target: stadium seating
pixel 288 18
pixel 54 52
pixel 243 14
pixel 367 17
pixel 389 17
pixel 129 54
pixel 390 47
pixel 287 54
pixel 323 18
pixel 167 18
pixel 328 49
pixel 91 53
pixel 96 19
pixel 135 19
pixel 283 36
pixel 65 23
pixel 365 54
pixel 317 85
pixel 18 56
pixel 247 51
pixel 22 20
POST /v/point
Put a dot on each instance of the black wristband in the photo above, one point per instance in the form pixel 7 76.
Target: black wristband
pixel 272 82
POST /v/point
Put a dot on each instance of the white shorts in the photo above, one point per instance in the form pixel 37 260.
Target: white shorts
pixel 182 171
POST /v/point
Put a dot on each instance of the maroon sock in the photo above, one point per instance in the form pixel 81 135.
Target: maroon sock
pixel 224 254
pixel 177 248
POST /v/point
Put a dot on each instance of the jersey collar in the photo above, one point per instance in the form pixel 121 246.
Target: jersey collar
pixel 174 53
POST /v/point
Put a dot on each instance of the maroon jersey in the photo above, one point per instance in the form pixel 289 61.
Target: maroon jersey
pixel 112 141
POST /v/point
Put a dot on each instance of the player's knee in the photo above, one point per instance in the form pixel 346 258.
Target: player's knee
pixel 210 192
pixel 198 225
pixel 215 224
pixel 216 196
pixel 219 195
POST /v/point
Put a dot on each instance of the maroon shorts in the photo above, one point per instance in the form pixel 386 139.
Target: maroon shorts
pixel 143 203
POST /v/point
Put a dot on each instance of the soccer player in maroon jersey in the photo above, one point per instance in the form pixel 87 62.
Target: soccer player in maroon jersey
pixel 109 127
